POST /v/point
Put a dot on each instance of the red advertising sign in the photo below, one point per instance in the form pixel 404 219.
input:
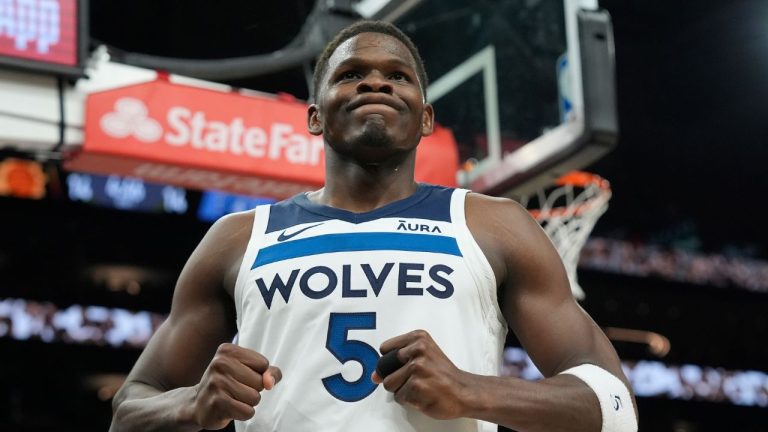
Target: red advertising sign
pixel 40 30
pixel 207 139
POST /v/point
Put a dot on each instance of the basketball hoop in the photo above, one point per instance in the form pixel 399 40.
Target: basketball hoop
pixel 568 211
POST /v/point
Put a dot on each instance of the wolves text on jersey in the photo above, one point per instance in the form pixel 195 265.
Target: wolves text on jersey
pixel 321 281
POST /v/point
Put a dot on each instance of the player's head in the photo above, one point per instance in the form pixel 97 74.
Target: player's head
pixel 355 29
pixel 369 94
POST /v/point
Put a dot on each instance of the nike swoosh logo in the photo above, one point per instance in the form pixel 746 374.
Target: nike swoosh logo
pixel 283 236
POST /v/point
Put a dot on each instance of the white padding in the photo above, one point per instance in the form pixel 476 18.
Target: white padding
pixel 615 401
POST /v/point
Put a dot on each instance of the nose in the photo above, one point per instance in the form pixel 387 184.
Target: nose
pixel 374 82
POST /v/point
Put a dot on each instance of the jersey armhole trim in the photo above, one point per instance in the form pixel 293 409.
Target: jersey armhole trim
pixel 260 220
pixel 485 274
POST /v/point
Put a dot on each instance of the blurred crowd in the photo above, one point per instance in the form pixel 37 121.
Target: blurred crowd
pixel 92 325
pixel 657 379
pixel 634 259
pixel 95 325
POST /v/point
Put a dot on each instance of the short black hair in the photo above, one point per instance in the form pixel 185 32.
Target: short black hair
pixel 367 26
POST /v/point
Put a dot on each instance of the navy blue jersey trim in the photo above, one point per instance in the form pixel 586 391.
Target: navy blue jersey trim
pixel 436 206
pixel 429 202
pixel 356 242
pixel 286 214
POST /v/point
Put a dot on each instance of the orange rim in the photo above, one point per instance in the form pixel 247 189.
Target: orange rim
pixel 583 179
pixel 580 179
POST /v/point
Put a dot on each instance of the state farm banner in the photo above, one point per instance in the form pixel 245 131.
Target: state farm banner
pixel 208 139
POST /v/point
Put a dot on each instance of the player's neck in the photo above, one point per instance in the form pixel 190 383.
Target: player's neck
pixel 361 188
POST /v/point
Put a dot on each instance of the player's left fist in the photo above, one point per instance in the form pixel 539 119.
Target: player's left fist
pixel 428 380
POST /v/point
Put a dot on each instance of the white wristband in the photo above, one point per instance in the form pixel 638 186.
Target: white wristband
pixel 615 402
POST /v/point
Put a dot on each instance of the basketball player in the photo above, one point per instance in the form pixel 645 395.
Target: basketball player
pixel 317 286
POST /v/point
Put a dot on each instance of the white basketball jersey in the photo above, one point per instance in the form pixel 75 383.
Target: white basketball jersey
pixel 321 288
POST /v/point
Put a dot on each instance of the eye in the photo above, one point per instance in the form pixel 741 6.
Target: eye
pixel 349 75
pixel 398 76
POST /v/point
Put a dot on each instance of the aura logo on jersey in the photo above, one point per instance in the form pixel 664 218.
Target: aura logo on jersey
pixel 318 282
pixel 416 227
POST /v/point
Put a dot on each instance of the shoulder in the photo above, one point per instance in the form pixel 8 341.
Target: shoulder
pixel 225 243
pixel 501 217
pixel 233 225
pixel 505 231
pixel 504 208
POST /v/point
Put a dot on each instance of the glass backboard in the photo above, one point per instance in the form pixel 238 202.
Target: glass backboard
pixel 527 86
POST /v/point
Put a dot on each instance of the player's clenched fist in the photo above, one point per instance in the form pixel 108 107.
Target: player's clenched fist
pixel 231 385
pixel 428 380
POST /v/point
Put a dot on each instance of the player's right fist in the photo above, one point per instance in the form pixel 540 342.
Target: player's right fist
pixel 231 385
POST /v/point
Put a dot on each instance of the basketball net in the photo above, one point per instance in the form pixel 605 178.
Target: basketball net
pixel 568 211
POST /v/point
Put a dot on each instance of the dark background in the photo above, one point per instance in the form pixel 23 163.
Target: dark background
pixel 688 170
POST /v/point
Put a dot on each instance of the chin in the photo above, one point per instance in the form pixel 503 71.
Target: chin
pixel 374 143
pixel 373 136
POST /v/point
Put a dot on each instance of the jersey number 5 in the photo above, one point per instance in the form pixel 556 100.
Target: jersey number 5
pixel 345 349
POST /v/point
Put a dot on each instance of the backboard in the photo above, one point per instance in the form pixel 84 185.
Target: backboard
pixel 527 86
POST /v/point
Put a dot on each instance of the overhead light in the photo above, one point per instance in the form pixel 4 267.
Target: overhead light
pixel 22 179
pixel 658 345
pixel 385 10
pixel 128 278
pixel 368 8
pixel 105 385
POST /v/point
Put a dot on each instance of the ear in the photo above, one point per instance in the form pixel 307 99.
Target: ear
pixel 314 123
pixel 427 120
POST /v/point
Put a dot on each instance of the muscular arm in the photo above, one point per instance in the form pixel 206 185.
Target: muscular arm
pixel 161 391
pixel 540 309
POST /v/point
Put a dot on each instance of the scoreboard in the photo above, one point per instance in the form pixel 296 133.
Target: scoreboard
pixel 43 35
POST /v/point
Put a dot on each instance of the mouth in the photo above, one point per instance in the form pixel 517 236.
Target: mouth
pixel 375 103
pixel 374 108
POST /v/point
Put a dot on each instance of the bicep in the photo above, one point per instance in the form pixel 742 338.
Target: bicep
pixel 182 347
pixel 539 306
pixel 559 335
pixel 202 314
